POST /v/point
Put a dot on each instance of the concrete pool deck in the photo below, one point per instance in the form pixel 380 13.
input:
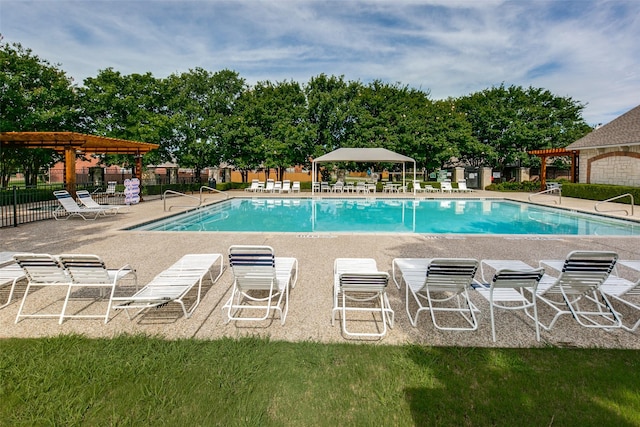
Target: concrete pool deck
pixel 309 315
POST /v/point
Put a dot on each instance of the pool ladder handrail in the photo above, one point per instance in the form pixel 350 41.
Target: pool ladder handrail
pixel 550 190
pixel 200 200
pixel 226 195
pixel 615 198
pixel 164 198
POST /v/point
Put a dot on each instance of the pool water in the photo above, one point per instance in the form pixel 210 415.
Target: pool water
pixel 359 215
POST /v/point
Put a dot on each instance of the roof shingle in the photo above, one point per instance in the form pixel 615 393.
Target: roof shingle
pixel 624 130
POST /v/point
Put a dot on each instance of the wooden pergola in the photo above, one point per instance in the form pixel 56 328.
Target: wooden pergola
pixel 72 143
pixel 554 152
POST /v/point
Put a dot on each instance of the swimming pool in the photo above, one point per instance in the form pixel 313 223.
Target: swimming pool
pixel 360 215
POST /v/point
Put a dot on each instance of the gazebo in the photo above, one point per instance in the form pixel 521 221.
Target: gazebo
pixel 363 155
pixel 554 152
pixel 72 143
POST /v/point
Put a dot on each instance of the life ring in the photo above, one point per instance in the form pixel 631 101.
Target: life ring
pixel 374 176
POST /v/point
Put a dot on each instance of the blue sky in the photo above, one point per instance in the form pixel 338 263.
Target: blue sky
pixel 588 50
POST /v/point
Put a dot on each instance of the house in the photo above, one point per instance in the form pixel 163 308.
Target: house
pixel 610 154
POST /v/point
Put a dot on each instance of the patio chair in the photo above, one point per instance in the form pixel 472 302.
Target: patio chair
pixel 358 281
pixel 338 187
pixel 413 268
pixel 286 186
pixel 447 281
pixel 295 187
pixel 625 292
pixel 261 283
pixel 462 186
pixel 85 271
pixel 269 187
pixel 446 186
pixel 111 189
pixel 277 187
pixel 255 186
pixel 85 198
pixel 579 283
pixel 325 187
pixel 69 208
pixel 175 285
pixel 505 290
pixel 10 274
pixel 90 271
pixel 417 188
pixel 42 270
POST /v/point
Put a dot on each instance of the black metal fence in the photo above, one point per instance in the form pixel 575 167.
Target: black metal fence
pixel 20 205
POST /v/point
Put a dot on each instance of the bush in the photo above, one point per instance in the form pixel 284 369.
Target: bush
pixel 526 186
pixel 600 192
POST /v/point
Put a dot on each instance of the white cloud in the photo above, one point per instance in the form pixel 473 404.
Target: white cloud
pixel 585 49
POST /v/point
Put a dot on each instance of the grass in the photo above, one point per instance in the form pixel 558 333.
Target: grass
pixel 135 380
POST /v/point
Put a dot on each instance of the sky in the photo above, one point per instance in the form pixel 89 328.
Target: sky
pixel 588 50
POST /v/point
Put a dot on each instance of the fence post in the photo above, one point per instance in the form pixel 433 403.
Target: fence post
pixel 15 206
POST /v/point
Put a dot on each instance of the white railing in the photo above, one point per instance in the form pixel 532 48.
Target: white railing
pixel 616 198
pixel 164 197
pixel 550 189
pixel 199 199
pixel 204 187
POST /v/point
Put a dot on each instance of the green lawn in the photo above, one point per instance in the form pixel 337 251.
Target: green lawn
pixel 136 381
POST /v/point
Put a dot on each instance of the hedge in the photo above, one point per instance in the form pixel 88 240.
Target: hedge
pixel 600 192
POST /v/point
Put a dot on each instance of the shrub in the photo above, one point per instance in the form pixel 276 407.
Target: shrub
pixel 600 191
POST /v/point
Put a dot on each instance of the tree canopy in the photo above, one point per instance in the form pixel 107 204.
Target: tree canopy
pixel 201 118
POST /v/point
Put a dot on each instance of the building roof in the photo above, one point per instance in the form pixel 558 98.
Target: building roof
pixel 363 155
pixel 86 143
pixel 622 131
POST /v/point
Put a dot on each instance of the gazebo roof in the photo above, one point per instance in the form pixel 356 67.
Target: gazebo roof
pixel 363 155
pixel 59 141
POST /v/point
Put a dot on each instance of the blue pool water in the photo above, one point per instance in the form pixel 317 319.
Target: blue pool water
pixel 392 216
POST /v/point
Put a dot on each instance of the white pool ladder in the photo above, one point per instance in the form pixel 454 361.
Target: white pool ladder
pixel 616 198
pixel 199 199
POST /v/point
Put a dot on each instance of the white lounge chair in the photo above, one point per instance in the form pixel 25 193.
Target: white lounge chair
pixel 90 271
pixel 625 292
pixel 269 187
pixel 10 274
pixel 261 283
pixel 85 198
pixel 358 281
pixel 417 188
pixel 255 186
pixel 85 271
pixel 505 288
pixel 111 189
pixel 286 186
pixel 295 188
pixel 462 186
pixel 413 268
pixel 446 186
pixel 361 187
pixel 69 208
pixel 577 289
pixel 277 187
pixel 175 284
pixel 41 270
pixel 447 280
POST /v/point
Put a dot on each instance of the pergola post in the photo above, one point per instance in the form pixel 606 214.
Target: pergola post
pixel 553 152
pixel 543 172
pixel 70 169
